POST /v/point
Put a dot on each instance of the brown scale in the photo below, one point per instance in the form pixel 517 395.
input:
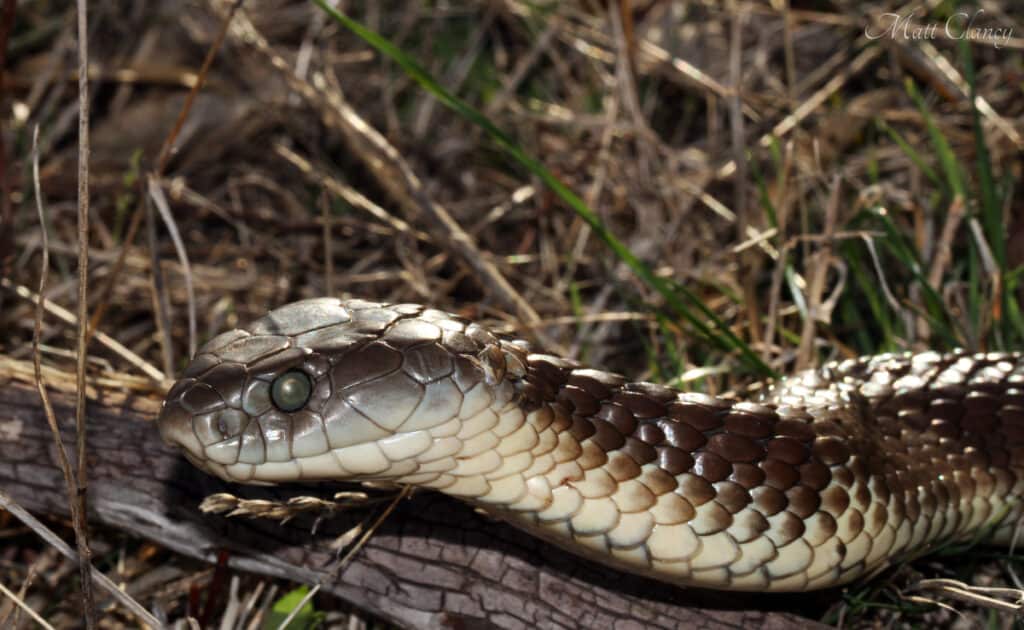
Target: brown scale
pixel 782 459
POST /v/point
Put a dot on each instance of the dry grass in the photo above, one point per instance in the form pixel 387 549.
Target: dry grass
pixel 740 149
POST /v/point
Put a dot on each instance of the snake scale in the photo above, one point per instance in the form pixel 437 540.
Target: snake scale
pixel 834 474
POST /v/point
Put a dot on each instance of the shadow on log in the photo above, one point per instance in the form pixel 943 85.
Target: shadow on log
pixel 434 563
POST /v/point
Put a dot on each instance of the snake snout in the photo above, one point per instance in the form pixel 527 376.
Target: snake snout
pixel 175 425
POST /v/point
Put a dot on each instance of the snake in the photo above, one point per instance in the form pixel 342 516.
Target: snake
pixel 830 475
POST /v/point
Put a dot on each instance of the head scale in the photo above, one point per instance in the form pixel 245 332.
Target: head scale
pixel 335 389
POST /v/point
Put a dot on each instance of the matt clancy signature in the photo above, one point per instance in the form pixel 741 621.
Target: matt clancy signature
pixel 960 25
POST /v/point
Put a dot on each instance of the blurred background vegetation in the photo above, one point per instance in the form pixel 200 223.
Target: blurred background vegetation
pixel 702 193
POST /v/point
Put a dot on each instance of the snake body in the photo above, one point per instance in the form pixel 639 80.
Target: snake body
pixel 833 475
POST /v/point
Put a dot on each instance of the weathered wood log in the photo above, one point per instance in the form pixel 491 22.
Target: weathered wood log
pixel 434 563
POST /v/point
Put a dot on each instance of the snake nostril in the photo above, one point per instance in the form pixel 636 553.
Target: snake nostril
pixel 231 422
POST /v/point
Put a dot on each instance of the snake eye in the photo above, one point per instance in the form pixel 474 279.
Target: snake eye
pixel 291 390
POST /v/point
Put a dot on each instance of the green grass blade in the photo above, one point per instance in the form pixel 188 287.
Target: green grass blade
pixel 913 154
pixel 1014 316
pixel 307 618
pixel 941 322
pixel 991 209
pixel 990 206
pixel 876 303
pixel 894 243
pixel 681 301
pixel 947 158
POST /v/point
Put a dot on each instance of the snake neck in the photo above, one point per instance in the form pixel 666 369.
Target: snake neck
pixel 704 491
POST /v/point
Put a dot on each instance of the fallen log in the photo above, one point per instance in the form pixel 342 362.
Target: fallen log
pixel 434 563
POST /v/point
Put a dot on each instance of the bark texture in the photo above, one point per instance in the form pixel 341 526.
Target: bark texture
pixel 433 564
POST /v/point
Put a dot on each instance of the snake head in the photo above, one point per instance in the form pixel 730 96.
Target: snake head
pixel 328 389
